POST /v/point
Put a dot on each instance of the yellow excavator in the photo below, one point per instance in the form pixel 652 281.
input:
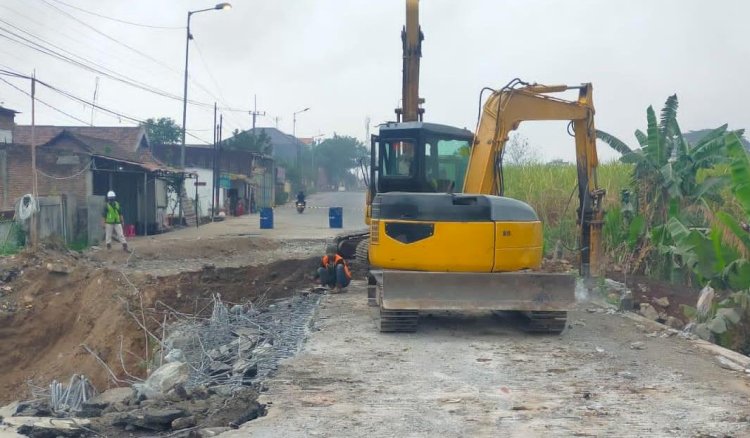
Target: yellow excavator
pixel 442 235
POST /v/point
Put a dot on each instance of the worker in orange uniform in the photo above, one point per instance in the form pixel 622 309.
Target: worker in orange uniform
pixel 333 271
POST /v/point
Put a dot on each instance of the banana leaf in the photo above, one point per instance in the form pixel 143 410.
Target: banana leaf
pixel 740 172
pixel 653 150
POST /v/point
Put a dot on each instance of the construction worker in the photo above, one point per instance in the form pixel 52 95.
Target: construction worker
pixel 113 222
pixel 333 271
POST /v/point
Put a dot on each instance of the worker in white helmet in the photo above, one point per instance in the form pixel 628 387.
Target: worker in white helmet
pixel 113 222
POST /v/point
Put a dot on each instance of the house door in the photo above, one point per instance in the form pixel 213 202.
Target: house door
pixel 233 198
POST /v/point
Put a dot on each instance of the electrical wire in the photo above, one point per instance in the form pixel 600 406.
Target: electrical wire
pixel 45 103
pixel 221 99
pixel 85 102
pixel 93 67
pixel 97 49
pixel 75 175
pixel 105 35
pixel 117 19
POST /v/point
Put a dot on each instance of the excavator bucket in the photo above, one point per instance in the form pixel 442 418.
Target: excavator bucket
pixel 543 298
pixel 523 291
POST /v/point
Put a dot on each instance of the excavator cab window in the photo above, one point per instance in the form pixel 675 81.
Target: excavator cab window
pixel 445 163
pixel 421 157
pixel 397 158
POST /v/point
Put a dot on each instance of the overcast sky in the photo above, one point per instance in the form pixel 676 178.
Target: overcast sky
pixel 342 58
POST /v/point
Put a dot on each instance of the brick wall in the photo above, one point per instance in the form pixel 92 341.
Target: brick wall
pixel 16 175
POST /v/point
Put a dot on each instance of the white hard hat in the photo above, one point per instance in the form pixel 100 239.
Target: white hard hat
pixel 110 194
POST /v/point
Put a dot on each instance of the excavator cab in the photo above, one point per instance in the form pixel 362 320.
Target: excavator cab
pixel 418 157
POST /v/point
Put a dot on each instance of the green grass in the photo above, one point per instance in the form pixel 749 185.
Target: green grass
pixel 78 245
pixel 548 188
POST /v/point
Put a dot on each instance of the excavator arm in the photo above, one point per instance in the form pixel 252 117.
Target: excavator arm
pixel 502 113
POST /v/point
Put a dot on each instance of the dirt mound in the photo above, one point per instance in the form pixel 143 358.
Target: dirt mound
pixel 50 316
pixel 54 315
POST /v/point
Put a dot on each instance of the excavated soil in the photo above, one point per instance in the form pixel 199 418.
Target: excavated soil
pixel 50 322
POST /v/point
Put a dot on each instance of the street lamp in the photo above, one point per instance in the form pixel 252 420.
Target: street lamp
pixel 219 6
pixel 296 142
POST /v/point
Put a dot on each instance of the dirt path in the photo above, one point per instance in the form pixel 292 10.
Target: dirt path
pixel 480 376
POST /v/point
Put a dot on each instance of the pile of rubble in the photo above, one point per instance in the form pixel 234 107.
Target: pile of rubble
pixel 211 372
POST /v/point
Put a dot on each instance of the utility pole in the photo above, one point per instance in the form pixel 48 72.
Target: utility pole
pixel 33 232
pixel 214 180
pixel 218 155
pixel 256 113
pixel 276 119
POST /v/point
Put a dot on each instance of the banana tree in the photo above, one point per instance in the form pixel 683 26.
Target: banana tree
pixel 666 165
pixel 719 257
pixel 666 180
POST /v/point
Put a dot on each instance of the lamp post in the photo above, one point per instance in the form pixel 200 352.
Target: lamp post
pixel 296 142
pixel 219 6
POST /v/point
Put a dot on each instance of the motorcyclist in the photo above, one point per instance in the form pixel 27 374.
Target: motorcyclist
pixel 301 198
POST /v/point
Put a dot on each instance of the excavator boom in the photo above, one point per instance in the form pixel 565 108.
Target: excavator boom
pixel 411 37
pixel 503 112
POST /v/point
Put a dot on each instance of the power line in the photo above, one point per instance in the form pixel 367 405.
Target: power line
pixel 115 40
pixel 85 102
pixel 215 83
pixel 94 67
pixel 117 19
pixel 43 102
pixel 99 69
pixel 88 45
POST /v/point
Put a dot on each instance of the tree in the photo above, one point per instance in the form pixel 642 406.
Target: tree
pixel 668 186
pixel 163 130
pixel 337 156
pixel 249 141
pixel 519 152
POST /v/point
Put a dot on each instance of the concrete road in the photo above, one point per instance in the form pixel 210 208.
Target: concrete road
pixel 288 224
pixel 479 376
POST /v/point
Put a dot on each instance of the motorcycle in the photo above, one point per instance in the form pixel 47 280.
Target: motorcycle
pixel 300 207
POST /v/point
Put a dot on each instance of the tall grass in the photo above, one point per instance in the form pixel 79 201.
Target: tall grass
pixel 548 189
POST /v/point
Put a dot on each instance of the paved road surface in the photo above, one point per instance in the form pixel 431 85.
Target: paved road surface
pixel 288 224
pixel 478 376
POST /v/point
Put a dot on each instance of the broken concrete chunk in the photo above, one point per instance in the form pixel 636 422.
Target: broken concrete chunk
pixel 217 367
pixel 728 364
pixel 59 268
pixel 637 345
pixel 210 432
pixel 95 406
pixel 662 302
pixel 148 418
pixel 175 355
pixel 48 426
pixel 164 379
pixel 183 423
pixel 648 311
pixel 9 410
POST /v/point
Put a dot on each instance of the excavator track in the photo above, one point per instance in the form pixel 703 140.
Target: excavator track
pixel 398 321
pixel 545 322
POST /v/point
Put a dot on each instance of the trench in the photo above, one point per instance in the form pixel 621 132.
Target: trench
pixel 99 309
